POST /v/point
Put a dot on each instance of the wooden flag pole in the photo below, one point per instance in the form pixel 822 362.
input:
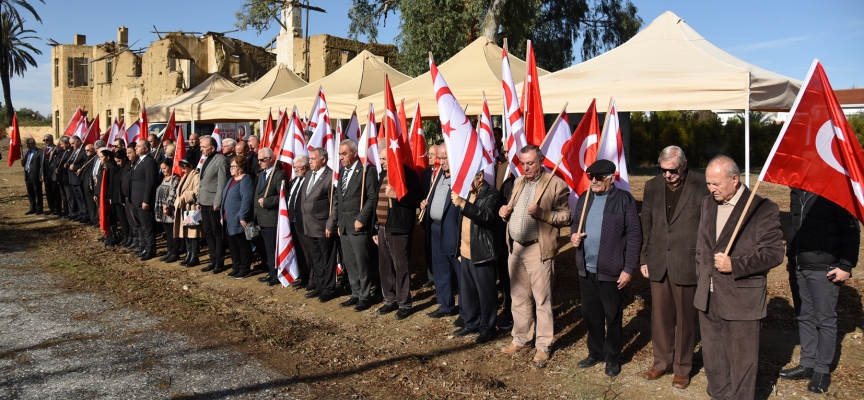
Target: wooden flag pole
pixel 78 172
pixel 550 178
pixel 584 209
pixel 363 186
pixel 741 218
pixel 428 195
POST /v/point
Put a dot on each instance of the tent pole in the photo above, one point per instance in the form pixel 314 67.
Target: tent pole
pixel 747 147
pixel 192 118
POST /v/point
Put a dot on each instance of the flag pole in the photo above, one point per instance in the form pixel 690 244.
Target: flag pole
pixel 428 195
pixel 741 218
pixel 550 178
pixel 363 186
pixel 563 109
pixel 584 209
pixel 78 172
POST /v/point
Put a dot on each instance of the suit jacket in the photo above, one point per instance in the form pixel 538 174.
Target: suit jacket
pixel 49 163
pixel 620 235
pixel 740 295
pixel 254 168
pixel 402 214
pixel 554 202
pixel 76 161
pixel 62 166
pixel 268 216
pixel 670 247
pixel 449 221
pixel 347 205
pixel 212 181
pixel 316 204
pixel 295 205
pixel 237 204
pixel 143 182
pixel 35 164
pixel 86 175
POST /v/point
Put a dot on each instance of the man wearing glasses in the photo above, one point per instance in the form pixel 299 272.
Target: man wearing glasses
pixel 671 208
pixel 295 215
pixel 607 253
pixel 267 187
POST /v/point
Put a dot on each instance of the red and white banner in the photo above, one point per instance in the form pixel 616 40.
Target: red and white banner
pixel 367 146
pixel 179 153
pixel 267 129
pixel 403 123
pixel 113 134
pixel 143 126
pixel 817 150
pixel 312 122
pixel 94 132
pixel 553 146
pixel 286 257
pixel 72 126
pixel 487 139
pixel 14 142
pixel 514 138
pixel 397 149
pixel 293 144
pixel 464 150
pixel 532 105
pixel 612 147
pixel 277 135
pixel 216 135
pixel 581 150
pixel 418 142
pixel 81 128
pixel 352 131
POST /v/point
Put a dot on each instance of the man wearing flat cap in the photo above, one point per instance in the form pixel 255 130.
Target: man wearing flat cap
pixel 607 253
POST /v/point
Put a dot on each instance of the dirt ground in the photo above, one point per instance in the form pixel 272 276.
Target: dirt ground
pixel 331 352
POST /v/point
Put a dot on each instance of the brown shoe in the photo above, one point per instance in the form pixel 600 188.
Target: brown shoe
pixel 680 382
pixel 652 374
pixel 541 356
pixel 512 349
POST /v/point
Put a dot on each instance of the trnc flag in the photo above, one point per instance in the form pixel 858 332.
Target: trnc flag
pixel 581 150
pixel 286 258
pixel 81 128
pixel 817 150
pixel 464 150
pixel 532 105
pixel 267 129
pixel 312 122
pixel 612 147
pixel 487 139
pixel 142 122
pixel 324 137
pixel 170 129
pixel 14 142
pixel 293 145
pixel 94 132
pixel 179 154
pixel 104 205
pixel 277 136
pixel 553 145
pixel 131 134
pixel 352 131
pixel 218 137
pixel 515 139
pixel 72 126
pixel 403 123
pixel 367 146
pixel 113 134
pixel 418 142
pixel 397 149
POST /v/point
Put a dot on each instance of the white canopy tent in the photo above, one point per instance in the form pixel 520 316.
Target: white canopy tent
pixel 245 104
pixel 213 87
pixel 669 66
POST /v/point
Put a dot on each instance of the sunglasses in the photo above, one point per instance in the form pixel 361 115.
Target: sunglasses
pixel 597 177
pixel 673 171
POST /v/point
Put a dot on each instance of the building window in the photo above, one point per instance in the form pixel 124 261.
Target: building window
pixel 78 72
pixel 108 120
pixel 56 72
pixel 121 114
pixel 109 70
pixel 348 55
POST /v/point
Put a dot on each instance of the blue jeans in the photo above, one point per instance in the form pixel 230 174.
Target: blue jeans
pixel 445 272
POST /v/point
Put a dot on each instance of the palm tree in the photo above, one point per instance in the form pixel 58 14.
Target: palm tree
pixel 14 54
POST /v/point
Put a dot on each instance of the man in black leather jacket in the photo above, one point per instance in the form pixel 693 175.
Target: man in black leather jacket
pixel 478 254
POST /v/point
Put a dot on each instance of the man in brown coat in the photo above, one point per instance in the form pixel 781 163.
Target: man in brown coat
pixel 671 206
pixel 731 293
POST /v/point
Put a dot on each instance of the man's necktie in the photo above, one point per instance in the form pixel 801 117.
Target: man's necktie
pixel 345 174
pixel 311 182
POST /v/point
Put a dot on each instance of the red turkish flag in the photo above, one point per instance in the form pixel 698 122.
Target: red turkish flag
pixel 817 150
pixel 72 126
pixel 170 128
pixel 397 149
pixel 403 123
pixel 278 133
pixel 179 153
pixel 532 105
pixel 418 142
pixel 144 128
pixel 93 132
pixel 14 142
pixel 267 129
pixel 581 150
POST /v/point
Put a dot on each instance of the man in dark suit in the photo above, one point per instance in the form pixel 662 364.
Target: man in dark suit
pixel 319 228
pixel 426 178
pixel 671 206
pixel 731 293
pixel 89 175
pixel 295 216
pixel 32 163
pixel 193 151
pixel 267 186
pixel 355 223
pixel 52 188
pixel 61 176
pixel 213 177
pixel 142 193
pixel 242 148
pixel 77 159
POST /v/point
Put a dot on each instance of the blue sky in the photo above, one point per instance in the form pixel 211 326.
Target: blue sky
pixel 781 36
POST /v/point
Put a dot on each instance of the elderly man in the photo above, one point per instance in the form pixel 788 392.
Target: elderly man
pixel 320 229
pixel 229 148
pixel 52 188
pixel 295 215
pixel 73 165
pixel 671 206
pixel 32 163
pixel 90 177
pixel 157 152
pixel 125 194
pixel 267 186
pixel 253 143
pixel 193 151
pixel 425 184
pixel 395 220
pixel 535 214
pixel 731 290
pixel 212 180
pixel 354 204
pixel 142 192
pixel 59 175
pixel 478 254
pixel 243 149
pixel 823 242
pixel 607 253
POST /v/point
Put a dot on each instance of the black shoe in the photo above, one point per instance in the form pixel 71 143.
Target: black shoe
pixel 485 337
pixel 819 383
pixel 325 298
pixel 30 212
pixel 311 294
pixel 403 313
pixel 273 282
pixel 147 256
pixel 430 283
pixel 243 273
pixel 465 331
pixel 208 268
pixel 440 314
pixel 797 373
pixel 165 257
pixel 266 279
pixel 193 262
pixel 40 212
pixel 613 368
pixel 219 270
pixel 297 284
pixel 588 362
pixel 310 287
pixel 350 302
pixel 362 305
pixel 233 272
pixel 459 322
pixel 128 246
pixel 388 308
pixel 174 258
pixel 186 259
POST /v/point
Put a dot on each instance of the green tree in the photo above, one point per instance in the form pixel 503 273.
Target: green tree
pixel 857 122
pixel 14 51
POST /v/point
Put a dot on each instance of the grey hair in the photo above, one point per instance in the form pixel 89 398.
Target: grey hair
pixel 350 143
pixel 671 152
pixel 48 136
pixel 64 139
pixel 529 148
pixel 75 138
pixel 268 152
pixel 727 164
pixel 302 160
pixel 230 142
pixel 99 144
pixel 321 153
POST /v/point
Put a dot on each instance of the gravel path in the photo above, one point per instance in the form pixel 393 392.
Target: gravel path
pixel 57 344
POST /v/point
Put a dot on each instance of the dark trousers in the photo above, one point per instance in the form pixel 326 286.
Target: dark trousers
pixel 52 195
pixel 427 254
pixel 121 217
pixel 146 234
pixel 323 253
pixel 730 350
pixel 34 193
pixel 673 326
pixel 212 226
pixel 815 299
pixel 80 207
pixel 172 244
pixel 478 298
pixel 355 261
pixel 92 207
pixel 504 279
pixel 67 200
pixel 268 237
pixel 602 311
pixel 241 251
pixel 133 221
pixel 394 251
pixel 304 260
pixel 445 272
